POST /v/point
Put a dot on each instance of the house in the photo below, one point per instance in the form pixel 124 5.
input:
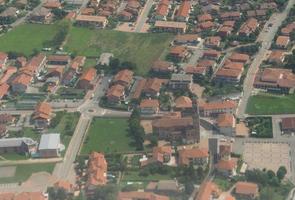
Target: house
pixel 164 67
pixel 4 89
pixel 249 27
pixel 8 14
pixel 8 74
pixel 179 53
pixel 87 79
pixel 287 30
pixel 152 87
pixel 77 63
pixel 205 26
pixel 58 59
pixel 50 145
pixel 183 104
pixel 204 18
pixel 226 124
pixel 24 196
pixel 181 81
pixel 282 41
pixel 6 119
pixel 224 31
pixel 211 54
pixel 211 8
pixel 42 115
pixel 275 80
pixel 246 190
pixel 166 187
pixel 276 57
pixel 187 39
pixel 91 20
pixel 176 129
pixel 87 11
pixel 21 145
pixel 160 155
pixel 162 10
pixel 182 13
pixel 213 42
pixel 35 65
pixel 20 83
pixel 41 15
pixel 226 167
pixel 52 4
pixel 195 70
pixel 97 172
pixel 3 59
pixel 170 26
pixel 227 16
pixel 133 6
pixel 228 75
pixel 239 57
pixel 215 108
pixel 258 14
pixel 288 125
pixel 21 61
pixel 124 78
pixel 140 195
pixel 63 184
pixel 195 156
pixel 149 106
pixel 208 190
pixel 138 89
pixel 116 94
pixel 125 16
pixel 68 77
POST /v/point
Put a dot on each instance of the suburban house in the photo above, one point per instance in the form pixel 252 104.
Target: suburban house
pixel 239 57
pixel 164 67
pixel 97 172
pixel 282 42
pixel 215 108
pixel 4 89
pixel 228 75
pixel 176 129
pixel 213 42
pixel 224 31
pixel 181 81
pixel 275 80
pixel 91 20
pixel 246 190
pixel 52 4
pixel 276 57
pixel 187 39
pixel 250 26
pixel 7 74
pixel 197 157
pixel 24 196
pixel 41 15
pixel 152 87
pixel 42 115
pixel 3 59
pixel 211 54
pixel 208 190
pixel 226 167
pixel 140 195
pixel 67 186
pixel 288 125
pixel 183 12
pixel 204 17
pixel 20 83
pixel 58 59
pixel 160 154
pixel 228 16
pixel 124 78
pixel 87 79
pixel 138 89
pixel 226 124
pixel 162 10
pixel 35 65
pixel 50 145
pixel 179 53
pixel 21 145
pixel 149 106
pixel 116 94
pixel 170 26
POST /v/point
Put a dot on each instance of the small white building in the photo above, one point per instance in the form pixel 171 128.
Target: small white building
pixel 50 145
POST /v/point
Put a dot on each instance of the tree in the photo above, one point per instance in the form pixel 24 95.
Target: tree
pixel 108 192
pixel 57 194
pixel 58 13
pixel 136 130
pixel 282 171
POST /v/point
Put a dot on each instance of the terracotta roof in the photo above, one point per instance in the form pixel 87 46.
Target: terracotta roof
pixel 178 50
pixel 163 8
pixel 207 191
pixel 23 79
pixel 226 164
pixel 226 120
pixel 3 57
pixel 226 15
pixel 43 110
pixel 167 122
pixel 7 74
pixel 195 70
pixel 246 188
pixel 206 63
pixel 162 66
pixel 140 195
pixel 116 91
pixel 139 88
pixel 97 169
pixel 230 73
pixel 249 26
pixel 64 184
pixel 276 55
pixel 239 57
pixel 51 4
pixel 186 154
pixel 206 25
pixel 213 41
pixel 91 18
pixel 288 123
pixel 283 41
pixel 230 104
pixel 184 9
pixel 280 77
pixel 212 53
pixel 183 102
pixel 233 65
pixel 87 11
pixel 204 18
pixel 153 84
pixel 34 63
pixel 170 24
pixel 147 103
pixel 3 90
pixel 160 152
pixel 229 23
pixel 125 76
pixel 186 37
pixel 89 75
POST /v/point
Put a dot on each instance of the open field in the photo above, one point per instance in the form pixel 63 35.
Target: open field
pixel 25 38
pixel 108 135
pixel 266 104
pixel 141 49
pixel 23 172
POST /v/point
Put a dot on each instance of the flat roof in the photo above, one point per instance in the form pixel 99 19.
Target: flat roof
pixel 49 141
pixel 170 24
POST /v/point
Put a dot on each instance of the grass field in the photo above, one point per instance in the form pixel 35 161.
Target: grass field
pixel 142 49
pixel 23 172
pixel 134 176
pixel 25 38
pixel 108 135
pixel 265 104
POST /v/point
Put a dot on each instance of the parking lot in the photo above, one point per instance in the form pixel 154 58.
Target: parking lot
pixel 268 155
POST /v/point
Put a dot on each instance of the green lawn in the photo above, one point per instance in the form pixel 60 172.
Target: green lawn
pixel 223 183
pixel 266 104
pixel 142 49
pixel 134 176
pixel 24 171
pixel 108 135
pixel 25 38
pixel 261 125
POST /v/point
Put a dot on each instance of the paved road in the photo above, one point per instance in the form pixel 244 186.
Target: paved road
pixel 265 37
pixel 197 53
pixel 141 19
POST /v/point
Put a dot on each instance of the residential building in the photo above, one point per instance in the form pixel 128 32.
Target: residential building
pixel 213 42
pixel 183 104
pixel 141 196
pixel 226 124
pixel 133 6
pixel 4 89
pixel 8 74
pixel 249 27
pixel 224 31
pixel 179 53
pixel 204 18
pixel 41 15
pixel 91 20
pixel 50 145
pixel 227 16
pixel 239 57
pixel 20 83
pixel 21 145
pixel 97 172
pixel 276 57
pixel 124 78
pixel 228 75
pixel 207 191
pixel 187 39
pixel 164 187
pixel 246 190
pixel 160 155
pixel 170 26
pixel 42 115
pixel 52 4
pixel 181 81
pixel 215 108
pixel 58 59
pixel 149 106
pixel 164 67
pixel 116 94
pixel 182 13
pixel 87 79
pixel 282 41
pixel 162 10
pixel 139 87
pixel 197 157
pixel 152 87
pixel 226 167
pixel 211 54
pixel 288 125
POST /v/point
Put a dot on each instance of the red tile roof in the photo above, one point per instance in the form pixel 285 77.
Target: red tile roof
pixel 97 169
pixel 207 191
pixel 148 103
pixel 3 90
pixel 230 104
pixel 89 75
pixel 43 110
pixel 183 102
pixel 246 188
pixel 184 9
pixel 226 164
pixel 226 120
pixel 185 155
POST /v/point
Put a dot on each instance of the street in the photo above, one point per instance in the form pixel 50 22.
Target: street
pixel 141 19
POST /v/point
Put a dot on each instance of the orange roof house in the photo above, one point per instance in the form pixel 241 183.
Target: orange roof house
pixel 20 83
pixel 239 57
pixel 67 186
pixel 160 154
pixel 97 172
pixel 183 11
pixel 250 26
pixel 247 189
pixel 226 124
pixel 213 108
pixel 204 17
pixel 276 57
pixel 149 106
pixel 208 190
pixel 7 74
pixel 195 156
pixel 227 167
pixel 43 110
pixel 52 4
pixel 152 87
pixel 124 78
pixel 4 90
pixel 283 41
pixel 141 196
pixel 116 93
pixel 87 78
pixel 183 102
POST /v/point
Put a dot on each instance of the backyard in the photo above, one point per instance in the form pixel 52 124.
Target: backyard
pixel 108 135
pixel 260 127
pixel 141 49
pixel 267 104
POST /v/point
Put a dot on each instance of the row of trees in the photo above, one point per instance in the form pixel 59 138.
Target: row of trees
pixel 136 131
